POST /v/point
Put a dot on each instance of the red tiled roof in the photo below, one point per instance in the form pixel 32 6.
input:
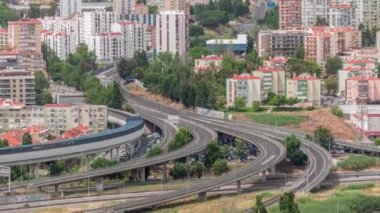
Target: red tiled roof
pixel 58 105
pixel 36 129
pixel 341 6
pixel 126 22
pixel 3 30
pixel 303 78
pixel 110 33
pixel 80 130
pixel 359 61
pixel 279 59
pixel 25 21
pixel 358 78
pixel 211 58
pixel 351 69
pixel 245 77
pixel 13 137
pixel 270 69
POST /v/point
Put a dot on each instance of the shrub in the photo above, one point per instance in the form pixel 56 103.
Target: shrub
pixel 154 151
pixel 220 167
pixel 337 111
pixel 180 170
pixel 181 139
pixel 357 162
pixel 102 163
pixel 377 141
pixel 358 186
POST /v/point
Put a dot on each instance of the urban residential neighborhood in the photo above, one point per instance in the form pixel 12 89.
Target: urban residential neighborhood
pixel 188 106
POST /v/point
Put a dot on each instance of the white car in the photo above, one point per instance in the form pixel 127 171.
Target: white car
pixel 251 157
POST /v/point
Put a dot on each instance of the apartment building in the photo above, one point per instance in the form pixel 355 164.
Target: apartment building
pixel 290 14
pixel 25 34
pixel 123 6
pixel 141 8
pixel 18 85
pixel 342 15
pixel 368 12
pixel 273 79
pixel 350 72
pixel 60 117
pixel 73 25
pixel 280 43
pixel 69 7
pixel 246 86
pixel 171 32
pixel 27 60
pixel 305 88
pixel 4 38
pixel 134 38
pixel 29 2
pixel 276 62
pixel 208 62
pixel 61 43
pixel 98 21
pixel 107 46
pixel 362 88
pixel 312 10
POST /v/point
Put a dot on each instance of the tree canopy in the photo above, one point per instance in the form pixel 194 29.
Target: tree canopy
pixel 6 14
pixel 293 151
pixel 333 64
pixel 287 203
pixel 27 139
pixel 323 137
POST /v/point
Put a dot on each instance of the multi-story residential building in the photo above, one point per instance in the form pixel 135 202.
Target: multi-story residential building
pixel 4 38
pixel 171 32
pixel 141 9
pixel 208 62
pixel 305 88
pixel 69 7
pixel 27 60
pixel 363 89
pixel 280 42
pixel 73 25
pixel 123 6
pixel 150 38
pixel 107 46
pixel 61 43
pixel 29 2
pixel 25 34
pixel 98 21
pixel 18 85
pixel 276 62
pixel 342 15
pixel 237 46
pixel 350 72
pixel 290 14
pixel 133 37
pixel 319 45
pixel 245 86
pixel 312 10
pixel 368 12
pixel 273 79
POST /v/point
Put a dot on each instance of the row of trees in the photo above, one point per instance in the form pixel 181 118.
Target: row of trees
pixel 76 72
pixel 183 170
pixel 287 204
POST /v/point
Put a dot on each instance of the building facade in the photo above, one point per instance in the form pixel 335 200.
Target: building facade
pixel 18 85
pixel 290 14
pixel 25 35
pixel 123 6
pixel 280 43
pixel 245 86
pixel 61 43
pixel 362 88
pixel 69 7
pixel 208 62
pixel 305 88
pixel 273 79
pixel 312 10
pixel 107 46
pixel 342 15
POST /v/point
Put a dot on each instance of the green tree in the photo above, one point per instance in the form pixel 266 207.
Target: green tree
pixel 155 151
pixel 293 151
pixel 6 14
pixel 56 168
pixel 225 150
pixel 331 84
pixel 333 64
pixel 256 106
pixel 213 152
pixel 287 203
pixel 102 163
pixel 321 21
pixel 153 9
pixel 377 141
pixel 259 207
pixel 44 98
pixel 220 166
pixel 196 30
pixel 253 60
pixel 182 138
pixel 240 147
pixel 299 53
pixel 239 104
pixel 337 111
pixel 34 11
pixel 323 137
pixel 27 139
pixel 115 96
pixel 271 19
pixel 197 169
pixel 4 143
pixel 180 170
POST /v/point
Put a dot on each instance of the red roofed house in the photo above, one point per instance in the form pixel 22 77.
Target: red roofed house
pixel 13 137
pixel 39 133
pixel 273 79
pixel 362 88
pixel 209 62
pixel 350 72
pixel 246 86
pixel 305 88
pixel 78 131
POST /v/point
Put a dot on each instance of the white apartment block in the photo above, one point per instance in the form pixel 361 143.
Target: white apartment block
pixel 311 9
pixel 246 86
pixel 342 15
pixel 171 32
pixel 73 26
pixel 61 43
pixel 70 7
pixel 273 79
pixel 133 37
pixel 350 72
pixel 98 21
pixel 305 88
pixel 123 6
pixel 107 46
pixel 368 12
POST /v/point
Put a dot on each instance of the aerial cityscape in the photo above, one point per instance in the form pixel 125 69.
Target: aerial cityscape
pixel 182 106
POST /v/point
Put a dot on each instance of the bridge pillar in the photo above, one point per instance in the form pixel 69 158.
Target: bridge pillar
pixel 273 170
pixel 99 186
pixel 165 174
pixel 202 196
pixel 34 169
pixel 187 159
pixel 263 176
pixel 238 186
pixel 56 187
pixel 142 174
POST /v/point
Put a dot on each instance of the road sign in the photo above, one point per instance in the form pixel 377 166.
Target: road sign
pixel 5 171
